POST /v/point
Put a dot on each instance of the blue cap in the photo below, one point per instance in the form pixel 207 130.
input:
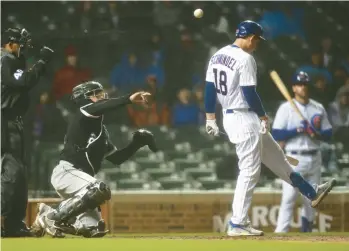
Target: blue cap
pixel 300 77
pixel 249 27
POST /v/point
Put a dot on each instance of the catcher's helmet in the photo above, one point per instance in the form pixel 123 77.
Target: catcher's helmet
pixel 249 27
pixel 18 36
pixel 300 78
pixel 85 90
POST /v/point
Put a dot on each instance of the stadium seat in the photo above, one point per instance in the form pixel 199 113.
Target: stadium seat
pixel 176 155
pixel 160 172
pixel 145 163
pixel 172 184
pixel 211 184
pixel 130 184
pixel 197 172
pixel 182 164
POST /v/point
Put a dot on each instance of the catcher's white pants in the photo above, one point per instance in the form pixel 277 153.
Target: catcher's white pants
pixel 252 148
pixel 310 168
pixel 69 181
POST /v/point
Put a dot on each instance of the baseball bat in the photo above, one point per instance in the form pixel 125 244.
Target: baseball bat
pixel 282 88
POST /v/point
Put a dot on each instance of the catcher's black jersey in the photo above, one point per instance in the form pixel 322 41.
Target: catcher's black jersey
pixel 87 140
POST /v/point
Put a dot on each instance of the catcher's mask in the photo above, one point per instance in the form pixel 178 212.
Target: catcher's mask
pixel 87 90
pixel 17 36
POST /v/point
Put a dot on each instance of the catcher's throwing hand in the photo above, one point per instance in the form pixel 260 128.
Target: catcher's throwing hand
pixel 211 127
pixel 141 98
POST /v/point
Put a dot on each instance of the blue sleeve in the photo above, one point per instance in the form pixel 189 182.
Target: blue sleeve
pixel 210 97
pixel 326 135
pixel 253 99
pixel 283 134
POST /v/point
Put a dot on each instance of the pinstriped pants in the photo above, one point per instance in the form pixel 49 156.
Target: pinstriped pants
pixel 252 149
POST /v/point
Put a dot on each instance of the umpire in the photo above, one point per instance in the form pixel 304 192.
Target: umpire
pixel 16 82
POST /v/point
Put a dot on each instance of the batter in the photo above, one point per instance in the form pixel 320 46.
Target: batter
pixel 300 141
pixel 232 78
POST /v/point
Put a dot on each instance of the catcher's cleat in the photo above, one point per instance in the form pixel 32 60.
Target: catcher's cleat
pixel 50 227
pixel 322 191
pixel 144 137
pixel 36 228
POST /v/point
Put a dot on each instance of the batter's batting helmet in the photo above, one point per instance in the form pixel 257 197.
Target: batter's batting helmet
pixel 85 90
pixel 247 28
pixel 300 78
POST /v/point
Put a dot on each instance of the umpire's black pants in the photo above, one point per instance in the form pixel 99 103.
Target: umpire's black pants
pixel 14 192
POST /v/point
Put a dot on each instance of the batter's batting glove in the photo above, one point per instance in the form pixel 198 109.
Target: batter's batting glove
pixel 211 127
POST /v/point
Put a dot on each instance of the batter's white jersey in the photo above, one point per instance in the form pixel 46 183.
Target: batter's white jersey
pixel 229 68
pixel 287 119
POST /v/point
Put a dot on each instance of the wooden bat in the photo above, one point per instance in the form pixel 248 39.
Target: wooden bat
pixel 282 88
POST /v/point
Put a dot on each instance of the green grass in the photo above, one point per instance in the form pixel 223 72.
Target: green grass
pixel 151 243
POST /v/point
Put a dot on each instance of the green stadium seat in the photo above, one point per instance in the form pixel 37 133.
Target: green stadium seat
pixel 197 172
pixel 159 173
pixel 182 164
pixel 172 184
pixel 130 184
pixel 170 155
pixel 145 163
pixel 209 184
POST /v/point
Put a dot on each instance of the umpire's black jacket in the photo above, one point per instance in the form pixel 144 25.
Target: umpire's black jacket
pixel 15 85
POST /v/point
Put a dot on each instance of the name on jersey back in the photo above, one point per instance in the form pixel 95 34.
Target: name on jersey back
pixel 223 59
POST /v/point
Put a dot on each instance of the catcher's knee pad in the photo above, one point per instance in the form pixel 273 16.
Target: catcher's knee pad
pixel 96 194
pixel 93 196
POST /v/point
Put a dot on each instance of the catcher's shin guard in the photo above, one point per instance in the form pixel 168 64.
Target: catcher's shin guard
pixel 93 196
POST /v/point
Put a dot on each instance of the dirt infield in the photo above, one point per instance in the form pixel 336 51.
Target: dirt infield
pixel 269 237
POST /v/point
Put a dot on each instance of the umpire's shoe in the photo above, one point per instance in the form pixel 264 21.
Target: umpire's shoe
pixel 16 230
pixel 322 191
pixel 144 137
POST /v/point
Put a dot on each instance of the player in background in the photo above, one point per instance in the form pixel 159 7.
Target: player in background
pixel 301 140
pixel 86 144
pixel 16 82
pixel 232 78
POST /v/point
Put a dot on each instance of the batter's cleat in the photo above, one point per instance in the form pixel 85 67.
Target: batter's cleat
pixel 49 226
pixel 322 191
pixel 240 230
pixel 36 229
pixel 144 137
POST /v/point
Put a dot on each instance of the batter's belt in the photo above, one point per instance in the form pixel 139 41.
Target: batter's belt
pixel 228 111
pixel 304 152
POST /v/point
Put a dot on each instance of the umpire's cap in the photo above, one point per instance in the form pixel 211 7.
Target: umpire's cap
pixel 18 36
pixel 300 78
pixel 84 90
pixel 247 28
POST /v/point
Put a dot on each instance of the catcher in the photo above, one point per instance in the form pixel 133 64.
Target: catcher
pixel 86 144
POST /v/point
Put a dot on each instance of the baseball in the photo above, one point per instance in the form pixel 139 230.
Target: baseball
pixel 198 13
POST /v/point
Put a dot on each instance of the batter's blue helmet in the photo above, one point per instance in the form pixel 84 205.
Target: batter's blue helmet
pixel 247 28
pixel 300 78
